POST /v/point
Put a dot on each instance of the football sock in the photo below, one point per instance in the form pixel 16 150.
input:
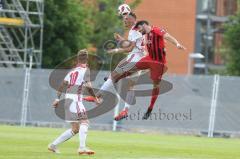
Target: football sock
pixel 107 84
pixel 129 99
pixel 64 137
pixel 83 135
pixel 155 93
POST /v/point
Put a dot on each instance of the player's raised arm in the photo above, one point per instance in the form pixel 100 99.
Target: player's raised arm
pixel 134 37
pixel 118 37
pixel 127 47
pixel 174 41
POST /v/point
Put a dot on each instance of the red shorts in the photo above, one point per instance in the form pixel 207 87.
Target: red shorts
pixel 157 69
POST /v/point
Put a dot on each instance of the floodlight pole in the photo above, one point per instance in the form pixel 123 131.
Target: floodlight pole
pixel 26 88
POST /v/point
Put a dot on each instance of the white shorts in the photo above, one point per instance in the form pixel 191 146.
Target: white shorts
pixel 128 63
pixel 74 110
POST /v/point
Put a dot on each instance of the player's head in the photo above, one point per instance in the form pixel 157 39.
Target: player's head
pixel 82 56
pixel 129 19
pixel 143 26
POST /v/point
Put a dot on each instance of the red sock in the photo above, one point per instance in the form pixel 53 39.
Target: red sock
pixel 155 93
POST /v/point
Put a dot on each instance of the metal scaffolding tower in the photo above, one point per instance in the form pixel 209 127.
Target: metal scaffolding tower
pixel 21 28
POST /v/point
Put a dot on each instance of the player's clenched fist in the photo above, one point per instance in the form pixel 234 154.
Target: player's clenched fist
pixel 118 37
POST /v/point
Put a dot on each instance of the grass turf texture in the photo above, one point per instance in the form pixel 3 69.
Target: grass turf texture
pixel 31 143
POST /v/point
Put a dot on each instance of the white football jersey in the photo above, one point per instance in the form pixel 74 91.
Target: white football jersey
pixel 137 37
pixel 76 78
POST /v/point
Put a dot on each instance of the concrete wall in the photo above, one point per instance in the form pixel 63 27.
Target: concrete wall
pixel 190 96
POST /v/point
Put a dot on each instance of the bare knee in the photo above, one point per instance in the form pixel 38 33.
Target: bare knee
pixel 75 128
pixel 85 122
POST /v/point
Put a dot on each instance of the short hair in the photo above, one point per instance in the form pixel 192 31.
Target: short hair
pixel 141 23
pixel 133 15
pixel 82 52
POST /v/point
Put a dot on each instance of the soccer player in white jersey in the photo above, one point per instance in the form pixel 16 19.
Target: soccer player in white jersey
pixel 138 51
pixel 135 53
pixel 73 83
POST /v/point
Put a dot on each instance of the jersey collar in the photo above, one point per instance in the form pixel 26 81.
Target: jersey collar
pixel 134 26
pixel 82 65
pixel 152 28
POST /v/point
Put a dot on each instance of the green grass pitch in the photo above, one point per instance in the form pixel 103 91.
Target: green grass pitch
pixel 31 143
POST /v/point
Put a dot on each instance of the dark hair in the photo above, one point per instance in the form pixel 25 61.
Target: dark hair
pixel 133 15
pixel 141 23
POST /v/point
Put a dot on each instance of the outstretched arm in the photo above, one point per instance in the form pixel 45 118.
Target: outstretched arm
pixel 126 45
pixel 123 50
pixel 118 37
pixel 88 86
pixel 174 41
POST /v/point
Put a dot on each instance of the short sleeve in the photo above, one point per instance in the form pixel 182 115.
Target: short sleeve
pixel 67 77
pixel 159 31
pixel 134 36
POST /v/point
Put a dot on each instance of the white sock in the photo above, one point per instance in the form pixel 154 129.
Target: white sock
pixel 129 99
pixel 64 137
pixel 83 135
pixel 107 84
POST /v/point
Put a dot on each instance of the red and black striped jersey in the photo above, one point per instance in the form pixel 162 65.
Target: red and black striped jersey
pixel 156 45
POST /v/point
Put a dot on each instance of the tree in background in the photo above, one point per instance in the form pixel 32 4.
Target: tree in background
pixel 70 25
pixel 232 44
pixel 106 22
pixel 65 30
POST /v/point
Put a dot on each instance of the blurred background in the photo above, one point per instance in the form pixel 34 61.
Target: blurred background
pixel 38 35
pixel 57 29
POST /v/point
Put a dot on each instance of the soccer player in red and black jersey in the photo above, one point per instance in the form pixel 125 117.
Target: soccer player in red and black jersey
pixel 155 61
